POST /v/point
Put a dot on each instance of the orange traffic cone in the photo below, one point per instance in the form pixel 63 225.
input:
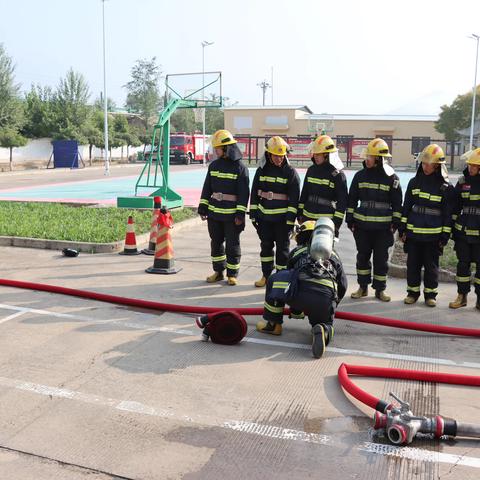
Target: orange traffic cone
pixel 130 247
pixel 152 243
pixel 164 262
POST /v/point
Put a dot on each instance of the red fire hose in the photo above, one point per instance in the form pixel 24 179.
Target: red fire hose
pixel 366 371
pixel 168 307
pixel 398 422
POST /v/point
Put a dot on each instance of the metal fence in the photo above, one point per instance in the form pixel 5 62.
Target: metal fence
pixel 404 150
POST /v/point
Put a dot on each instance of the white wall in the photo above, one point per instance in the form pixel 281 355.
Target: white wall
pixel 41 149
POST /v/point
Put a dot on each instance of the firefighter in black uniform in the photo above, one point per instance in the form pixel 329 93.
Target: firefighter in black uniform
pixel 224 204
pixel 320 285
pixel 466 229
pixel 426 223
pixel 273 206
pixel 376 219
pixel 324 192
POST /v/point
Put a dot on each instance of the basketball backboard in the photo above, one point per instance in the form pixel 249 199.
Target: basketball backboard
pixel 203 88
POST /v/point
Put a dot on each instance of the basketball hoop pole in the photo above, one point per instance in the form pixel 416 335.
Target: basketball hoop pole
pixel 204 44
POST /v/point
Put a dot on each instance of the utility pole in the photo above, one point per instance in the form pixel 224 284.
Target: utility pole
pixel 105 100
pixel 264 86
pixel 477 38
pixel 204 44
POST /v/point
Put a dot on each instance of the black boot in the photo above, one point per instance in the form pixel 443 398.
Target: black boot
pixel 319 340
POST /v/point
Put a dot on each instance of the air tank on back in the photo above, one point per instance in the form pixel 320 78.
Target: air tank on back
pixel 323 236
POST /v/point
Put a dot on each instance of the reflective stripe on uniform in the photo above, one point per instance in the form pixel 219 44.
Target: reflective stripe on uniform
pixel 380 278
pixel 225 211
pixel 404 220
pixel 280 267
pixel 204 202
pixel 267 259
pixel 426 195
pixel 292 209
pixel 253 206
pixel 241 208
pixel 413 289
pixel 272 211
pixel 350 210
pixel 424 231
pixel 340 215
pixel 447 229
pixel 218 174
pixel 374 186
pixel 220 258
pixel 273 309
pixel 280 284
pixel 323 281
pixel 321 181
pixel 474 233
pixel 363 272
pixel 476 280
pixel 273 179
pixel 462 279
pixel 301 205
pixel 430 290
pixel 315 216
pixel 397 214
pixel 368 218
pixel 233 266
pixel 299 251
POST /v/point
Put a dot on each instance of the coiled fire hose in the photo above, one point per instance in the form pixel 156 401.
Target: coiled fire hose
pixel 399 423
pixel 168 307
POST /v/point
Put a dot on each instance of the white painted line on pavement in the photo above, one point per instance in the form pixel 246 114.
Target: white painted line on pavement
pixel 270 431
pixel 11 317
pixel 261 341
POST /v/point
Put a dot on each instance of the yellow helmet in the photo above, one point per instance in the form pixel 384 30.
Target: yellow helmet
pixel 302 230
pixel 221 138
pixel 277 146
pixel 323 144
pixel 377 147
pixel 433 154
pixel 473 157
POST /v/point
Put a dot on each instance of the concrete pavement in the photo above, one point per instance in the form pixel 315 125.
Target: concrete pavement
pixel 91 390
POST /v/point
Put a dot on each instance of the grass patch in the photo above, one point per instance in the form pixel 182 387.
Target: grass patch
pixel 53 221
pixel 448 261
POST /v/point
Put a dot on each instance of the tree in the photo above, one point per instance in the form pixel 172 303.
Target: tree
pixel 72 112
pixel 143 89
pixel 183 120
pixel 11 138
pixel 214 117
pixel 458 115
pixel 39 112
pixel 11 111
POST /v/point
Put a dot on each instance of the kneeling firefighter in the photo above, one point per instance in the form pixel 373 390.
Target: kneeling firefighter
pixel 426 223
pixel 273 206
pixel 223 203
pixel 466 230
pixel 376 219
pixel 324 192
pixel 313 285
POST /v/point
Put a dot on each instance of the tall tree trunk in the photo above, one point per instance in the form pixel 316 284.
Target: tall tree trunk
pixel 11 158
pixel 121 153
pixel 128 156
pixel 90 147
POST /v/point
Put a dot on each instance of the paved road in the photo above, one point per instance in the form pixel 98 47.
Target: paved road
pixel 97 391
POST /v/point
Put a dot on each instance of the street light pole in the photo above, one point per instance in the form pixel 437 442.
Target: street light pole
pixel 105 101
pixel 477 38
pixel 204 44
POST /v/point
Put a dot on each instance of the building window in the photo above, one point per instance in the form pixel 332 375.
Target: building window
pixel 419 143
pixel 241 123
pixel 280 120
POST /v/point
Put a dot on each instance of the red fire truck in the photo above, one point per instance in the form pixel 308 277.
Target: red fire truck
pixel 186 148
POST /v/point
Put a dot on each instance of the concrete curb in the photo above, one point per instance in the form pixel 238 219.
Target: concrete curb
pixel 400 271
pixel 88 247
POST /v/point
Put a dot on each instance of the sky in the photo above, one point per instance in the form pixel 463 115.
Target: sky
pixel 347 56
